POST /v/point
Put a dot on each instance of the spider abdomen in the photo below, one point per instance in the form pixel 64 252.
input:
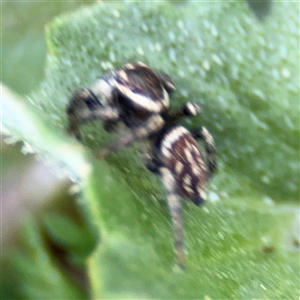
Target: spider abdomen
pixel 180 153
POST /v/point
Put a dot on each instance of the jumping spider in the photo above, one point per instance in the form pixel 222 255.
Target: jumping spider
pixel 139 97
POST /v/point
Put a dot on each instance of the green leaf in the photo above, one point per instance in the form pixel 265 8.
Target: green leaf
pixel 38 276
pixel 23 42
pixel 76 239
pixel 243 74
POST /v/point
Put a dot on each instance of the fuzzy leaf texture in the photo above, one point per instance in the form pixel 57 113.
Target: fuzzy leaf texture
pixel 244 73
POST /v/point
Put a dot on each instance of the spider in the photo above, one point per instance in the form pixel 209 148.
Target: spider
pixel 139 97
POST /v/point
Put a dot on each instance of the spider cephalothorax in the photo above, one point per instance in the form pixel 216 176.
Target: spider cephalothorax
pixel 139 97
pixel 133 94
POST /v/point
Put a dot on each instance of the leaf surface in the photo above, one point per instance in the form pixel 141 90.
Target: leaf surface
pixel 242 243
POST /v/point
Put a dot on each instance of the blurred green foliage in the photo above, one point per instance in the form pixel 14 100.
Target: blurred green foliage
pixel 244 75
pixel 23 49
pixel 23 40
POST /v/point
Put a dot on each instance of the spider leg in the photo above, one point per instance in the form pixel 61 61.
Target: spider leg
pixel 111 126
pixel 78 114
pixel 150 126
pixel 187 110
pixel 83 116
pixel 209 145
pixel 150 158
pixel 176 213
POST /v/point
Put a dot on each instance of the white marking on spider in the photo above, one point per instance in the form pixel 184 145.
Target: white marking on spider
pixel 195 148
pixel 174 136
pixel 187 180
pixel 208 136
pixel 188 189
pixel 188 155
pixel 196 170
pixel 201 192
pixel 130 66
pixel 142 131
pixel 193 108
pixel 165 100
pixel 178 168
pixel 123 75
pixel 202 164
pixel 168 178
pixel 144 101
pixel 103 90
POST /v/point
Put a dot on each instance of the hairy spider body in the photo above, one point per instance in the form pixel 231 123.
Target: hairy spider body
pixel 139 97
pixel 180 153
pixel 132 95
